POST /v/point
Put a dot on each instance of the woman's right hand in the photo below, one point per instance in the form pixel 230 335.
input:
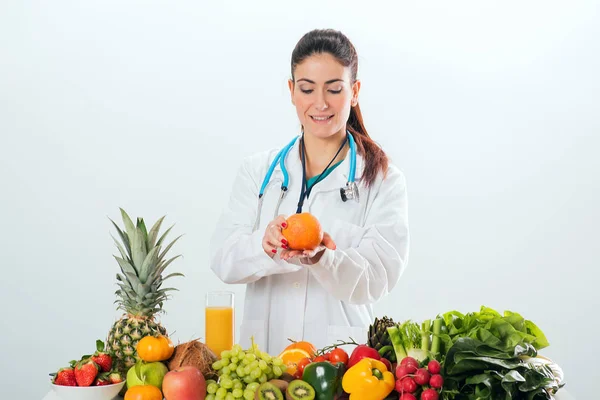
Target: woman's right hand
pixel 273 239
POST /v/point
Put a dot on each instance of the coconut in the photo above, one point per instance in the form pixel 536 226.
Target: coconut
pixel 196 354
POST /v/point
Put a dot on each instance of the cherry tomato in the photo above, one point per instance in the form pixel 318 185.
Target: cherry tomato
pixel 300 367
pixel 324 357
pixel 338 355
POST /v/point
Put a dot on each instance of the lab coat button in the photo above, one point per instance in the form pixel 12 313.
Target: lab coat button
pixel 296 285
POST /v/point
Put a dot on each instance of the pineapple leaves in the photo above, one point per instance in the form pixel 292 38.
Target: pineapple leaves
pixel 129 228
pixel 164 252
pixel 172 275
pixel 142 262
pixel 164 235
pixel 154 233
pixel 124 255
pixel 124 238
pixel 162 266
pixel 149 262
pixel 126 268
pixel 140 224
pixel 138 248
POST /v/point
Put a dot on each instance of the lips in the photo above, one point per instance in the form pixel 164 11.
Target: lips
pixel 321 118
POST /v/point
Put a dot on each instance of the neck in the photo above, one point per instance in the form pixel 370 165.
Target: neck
pixel 320 151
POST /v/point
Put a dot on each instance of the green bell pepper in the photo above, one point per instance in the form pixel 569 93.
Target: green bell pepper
pixel 325 378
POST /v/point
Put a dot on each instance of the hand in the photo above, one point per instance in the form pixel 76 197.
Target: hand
pixel 313 256
pixel 273 239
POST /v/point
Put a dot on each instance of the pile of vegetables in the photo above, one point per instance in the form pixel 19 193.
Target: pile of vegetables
pixel 484 355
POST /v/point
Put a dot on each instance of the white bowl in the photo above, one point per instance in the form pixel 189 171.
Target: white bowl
pixel 106 392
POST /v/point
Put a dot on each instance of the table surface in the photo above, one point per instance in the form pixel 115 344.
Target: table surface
pixel 561 395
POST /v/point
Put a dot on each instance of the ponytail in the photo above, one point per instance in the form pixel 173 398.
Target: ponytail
pixel 375 158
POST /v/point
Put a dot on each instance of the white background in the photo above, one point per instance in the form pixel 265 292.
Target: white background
pixel 490 108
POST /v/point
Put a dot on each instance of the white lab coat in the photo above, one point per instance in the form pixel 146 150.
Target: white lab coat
pixel 326 301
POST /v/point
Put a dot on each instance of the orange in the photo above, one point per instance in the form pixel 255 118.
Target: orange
pixel 291 357
pixel 303 232
pixel 143 392
pixel 306 346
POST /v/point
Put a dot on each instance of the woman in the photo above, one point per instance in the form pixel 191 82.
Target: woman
pixel 326 294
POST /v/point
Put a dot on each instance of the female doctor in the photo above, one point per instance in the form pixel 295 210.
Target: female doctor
pixel 335 171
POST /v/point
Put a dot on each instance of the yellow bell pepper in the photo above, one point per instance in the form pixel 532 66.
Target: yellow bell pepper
pixel 368 379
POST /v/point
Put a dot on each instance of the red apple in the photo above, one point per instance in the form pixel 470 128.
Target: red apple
pixel 185 383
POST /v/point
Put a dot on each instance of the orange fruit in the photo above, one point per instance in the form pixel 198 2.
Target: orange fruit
pixel 291 357
pixel 143 392
pixel 303 232
pixel 306 346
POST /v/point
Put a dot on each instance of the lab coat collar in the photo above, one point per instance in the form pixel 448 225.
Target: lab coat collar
pixel 335 180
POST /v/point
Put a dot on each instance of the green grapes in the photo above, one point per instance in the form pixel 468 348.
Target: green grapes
pixel 240 373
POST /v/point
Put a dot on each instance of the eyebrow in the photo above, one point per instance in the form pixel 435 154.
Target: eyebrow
pixel 327 83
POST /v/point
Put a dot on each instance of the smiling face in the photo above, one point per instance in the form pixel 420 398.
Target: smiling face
pixel 323 92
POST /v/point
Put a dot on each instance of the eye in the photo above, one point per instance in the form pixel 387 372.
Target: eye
pixel 307 91
pixel 335 91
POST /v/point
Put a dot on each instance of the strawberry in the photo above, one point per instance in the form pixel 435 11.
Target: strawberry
pixel 65 377
pixel 104 360
pixel 102 379
pixel 101 382
pixel 115 377
pixel 85 372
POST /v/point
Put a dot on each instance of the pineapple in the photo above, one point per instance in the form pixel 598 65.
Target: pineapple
pixel 379 337
pixel 140 295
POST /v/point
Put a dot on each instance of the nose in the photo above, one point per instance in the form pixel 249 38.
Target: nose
pixel 321 103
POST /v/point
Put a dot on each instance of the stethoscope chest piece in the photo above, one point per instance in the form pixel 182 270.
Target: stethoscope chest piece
pixel 350 192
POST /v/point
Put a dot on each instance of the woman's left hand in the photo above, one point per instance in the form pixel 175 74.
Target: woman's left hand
pixel 312 255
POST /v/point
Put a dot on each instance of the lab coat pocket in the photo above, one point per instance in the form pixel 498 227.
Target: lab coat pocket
pixel 345 234
pixel 346 333
pixel 256 328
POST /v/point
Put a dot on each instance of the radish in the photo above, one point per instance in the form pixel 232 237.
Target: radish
pixel 408 396
pixel 434 367
pixel 422 377
pixel 409 385
pixel 403 371
pixel 429 394
pixel 436 381
pixel 410 361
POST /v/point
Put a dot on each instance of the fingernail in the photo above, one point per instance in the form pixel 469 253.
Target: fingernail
pixel 284 224
pixel 274 251
pixel 284 246
pixel 284 241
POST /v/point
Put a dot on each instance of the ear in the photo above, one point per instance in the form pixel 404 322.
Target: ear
pixel 291 87
pixel 355 91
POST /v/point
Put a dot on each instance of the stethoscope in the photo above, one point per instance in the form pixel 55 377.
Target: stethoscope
pixel 349 192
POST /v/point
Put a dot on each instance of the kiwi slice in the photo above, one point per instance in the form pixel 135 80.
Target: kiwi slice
pixel 268 391
pixel 299 390
pixel 280 383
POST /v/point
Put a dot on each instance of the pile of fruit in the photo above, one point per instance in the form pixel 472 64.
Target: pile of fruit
pixel 90 370
pixel 454 356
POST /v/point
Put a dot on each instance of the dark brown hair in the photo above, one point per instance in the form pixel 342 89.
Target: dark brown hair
pixel 339 46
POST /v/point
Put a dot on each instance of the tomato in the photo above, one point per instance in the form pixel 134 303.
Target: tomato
pixel 300 367
pixel 324 357
pixel 151 348
pixel 338 355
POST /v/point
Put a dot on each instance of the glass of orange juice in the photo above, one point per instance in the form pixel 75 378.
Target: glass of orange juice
pixel 219 321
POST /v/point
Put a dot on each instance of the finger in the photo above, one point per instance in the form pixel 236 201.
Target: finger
pixel 288 254
pixel 268 248
pixel 275 238
pixel 280 221
pixel 328 241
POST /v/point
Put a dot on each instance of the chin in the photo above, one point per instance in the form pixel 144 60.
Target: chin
pixel 323 132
